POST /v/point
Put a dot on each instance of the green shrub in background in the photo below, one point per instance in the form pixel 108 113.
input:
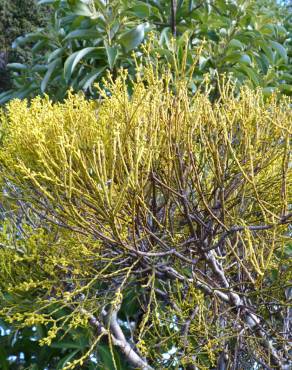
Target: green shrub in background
pixel 247 38
pixel 17 17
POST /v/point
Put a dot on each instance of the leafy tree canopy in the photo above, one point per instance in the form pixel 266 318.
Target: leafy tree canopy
pixel 250 39
pixel 16 18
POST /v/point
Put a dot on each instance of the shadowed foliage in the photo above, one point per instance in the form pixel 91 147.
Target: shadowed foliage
pixel 17 17
pixel 249 39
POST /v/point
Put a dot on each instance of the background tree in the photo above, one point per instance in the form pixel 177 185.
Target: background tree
pixel 85 38
pixel 160 221
pixel 16 18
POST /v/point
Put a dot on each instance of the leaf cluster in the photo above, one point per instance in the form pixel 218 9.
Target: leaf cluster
pixel 249 39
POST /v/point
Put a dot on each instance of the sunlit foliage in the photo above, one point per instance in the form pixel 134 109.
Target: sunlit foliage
pixel 158 219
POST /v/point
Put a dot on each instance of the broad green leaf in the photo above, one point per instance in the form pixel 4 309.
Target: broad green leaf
pixel 83 34
pixel 30 37
pixel 263 62
pixel 267 50
pixel 165 36
pixel 51 67
pixel 236 44
pixel 6 96
pixel 145 10
pixel 130 306
pixel 74 59
pixel 133 38
pixel 213 36
pixel 40 68
pixel 112 53
pixel 17 66
pixel 232 57
pixel 55 54
pixel 24 93
pixel 268 29
pixel 82 9
pixel 280 50
pixel 90 78
pixel 250 73
pixel 141 10
pixel 41 44
pixel 245 59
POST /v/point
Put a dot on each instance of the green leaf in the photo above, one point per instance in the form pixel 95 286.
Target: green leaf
pixel 56 53
pixel 51 67
pixel 163 52
pixel 232 57
pixel 105 356
pixel 263 62
pixel 165 37
pixel 288 250
pixel 202 62
pixel 141 10
pixel 45 2
pixel 133 38
pixel 40 68
pixel 24 93
pixel 245 59
pixel 274 275
pixel 82 9
pixel 83 34
pixel 267 50
pixel 130 305
pixel 41 44
pixel 112 53
pixel 30 37
pixel 267 91
pixel 6 96
pixel 287 77
pixel 236 44
pixel 66 359
pixel 66 345
pixel 268 29
pixel 3 359
pixel 17 66
pixel 250 73
pixel 280 50
pixel 90 78
pixel 74 59
pixel 287 89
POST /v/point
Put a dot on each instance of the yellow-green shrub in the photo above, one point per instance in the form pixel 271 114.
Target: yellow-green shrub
pixel 135 191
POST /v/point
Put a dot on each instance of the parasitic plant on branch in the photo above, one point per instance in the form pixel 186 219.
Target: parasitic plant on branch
pixel 165 202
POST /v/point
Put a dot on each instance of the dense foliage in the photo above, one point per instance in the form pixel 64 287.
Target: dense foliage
pixel 247 38
pixel 159 220
pixel 17 17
